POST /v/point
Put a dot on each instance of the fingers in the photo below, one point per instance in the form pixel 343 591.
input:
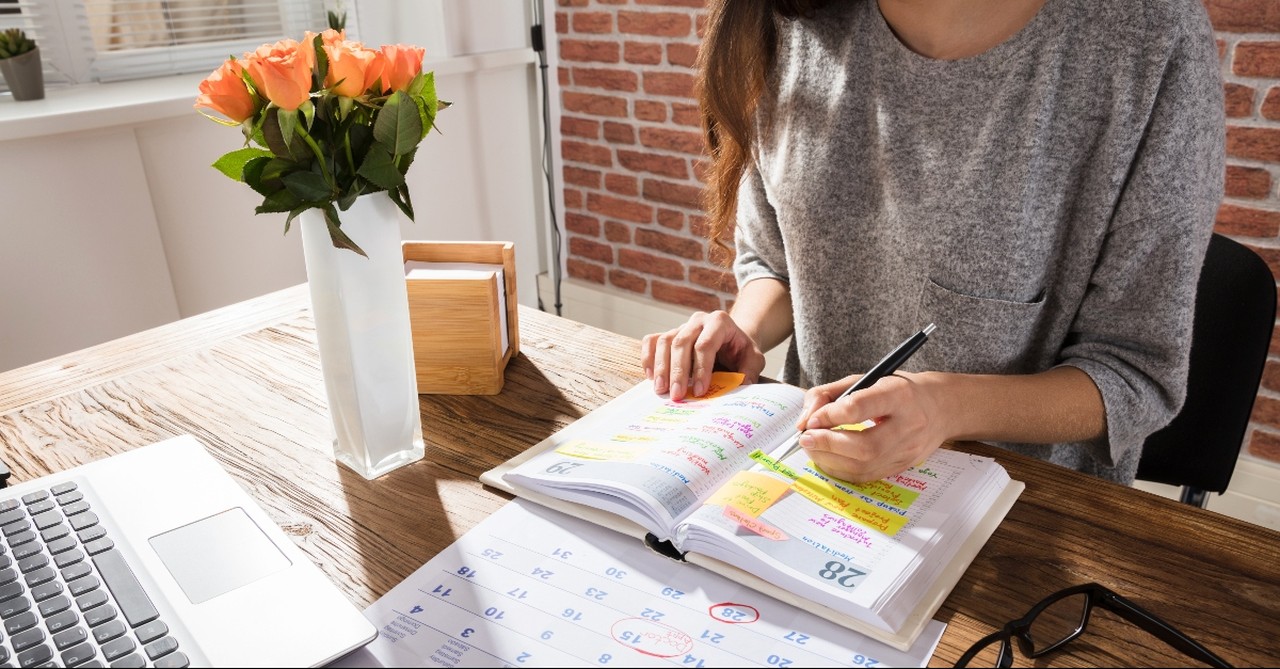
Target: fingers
pixel 681 361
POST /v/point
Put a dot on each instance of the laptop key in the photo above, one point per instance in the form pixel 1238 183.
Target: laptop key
pixel 77 656
pixel 118 647
pixel 46 590
pixel 40 507
pixel 13 606
pixel 108 631
pixel 59 531
pixel 133 601
pixel 54 605
pixel 61 621
pixel 91 599
pixel 129 662
pixel 176 660
pixel 68 497
pixel 26 550
pixel 9 505
pixel 21 525
pixel 151 631
pixel 60 545
pixel 82 585
pixel 20 622
pixel 76 570
pixel 24 640
pixel 101 614
pixel 35 656
pixel 63 488
pixel 99 545
pixel 8 575
pixel 41 575
pixel 68 558
pixel 161 647
pixel 32 562
pixel 90 533
pixel 82 520
pixel 70 637
pixel 33 497
pixel 23 537
pixel 72 508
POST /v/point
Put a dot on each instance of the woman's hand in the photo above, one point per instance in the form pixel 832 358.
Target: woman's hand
pixel 908 427
pixel 681 360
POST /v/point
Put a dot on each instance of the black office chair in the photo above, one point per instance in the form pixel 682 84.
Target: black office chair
pixel 1234 315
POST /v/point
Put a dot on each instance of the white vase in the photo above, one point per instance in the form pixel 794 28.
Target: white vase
pixel 361 311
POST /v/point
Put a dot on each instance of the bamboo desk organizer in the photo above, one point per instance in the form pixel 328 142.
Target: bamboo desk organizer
pixel 457 338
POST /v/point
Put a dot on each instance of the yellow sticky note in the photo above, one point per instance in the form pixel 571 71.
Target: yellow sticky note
pixel 773 465
pixel 597 450
pixel 893 495
pixel 856 427
pixel 750 492
pixel 841 503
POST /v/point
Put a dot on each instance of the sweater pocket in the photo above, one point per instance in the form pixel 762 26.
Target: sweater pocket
pixel 977 335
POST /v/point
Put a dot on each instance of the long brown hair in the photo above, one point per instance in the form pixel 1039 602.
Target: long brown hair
pixel 734 60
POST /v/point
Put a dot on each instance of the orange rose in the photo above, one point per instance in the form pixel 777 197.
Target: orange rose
pixel 225 93
pixel 327 38
pixel 348 63
pixel 281 73
pixel 402 63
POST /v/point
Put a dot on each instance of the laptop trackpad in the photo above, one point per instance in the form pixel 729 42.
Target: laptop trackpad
pixel 218 554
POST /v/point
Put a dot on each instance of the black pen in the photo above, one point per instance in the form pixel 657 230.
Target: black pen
pixel 888 365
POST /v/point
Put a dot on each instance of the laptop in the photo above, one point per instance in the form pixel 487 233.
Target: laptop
pixel 157 557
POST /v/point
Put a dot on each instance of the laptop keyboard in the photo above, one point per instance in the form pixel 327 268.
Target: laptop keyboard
pixel 67 595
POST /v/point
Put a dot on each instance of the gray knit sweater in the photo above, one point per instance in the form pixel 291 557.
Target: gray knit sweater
pixel 1047 202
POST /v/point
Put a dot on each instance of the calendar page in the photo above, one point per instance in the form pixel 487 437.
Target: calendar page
pixel 532 587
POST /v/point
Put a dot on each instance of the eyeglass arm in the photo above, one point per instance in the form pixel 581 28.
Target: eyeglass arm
pixel 1160 629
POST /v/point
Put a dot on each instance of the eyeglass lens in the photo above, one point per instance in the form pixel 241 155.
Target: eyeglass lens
pixel 1058 622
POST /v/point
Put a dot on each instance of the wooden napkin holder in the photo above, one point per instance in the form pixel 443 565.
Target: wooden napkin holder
pixel 457 323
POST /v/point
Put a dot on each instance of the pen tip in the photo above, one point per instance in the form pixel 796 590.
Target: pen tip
pixel 928 329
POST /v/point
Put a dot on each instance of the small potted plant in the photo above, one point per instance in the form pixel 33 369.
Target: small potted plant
pixel 20 65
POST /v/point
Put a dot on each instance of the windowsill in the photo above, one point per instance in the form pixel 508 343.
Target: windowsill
pixel 92 106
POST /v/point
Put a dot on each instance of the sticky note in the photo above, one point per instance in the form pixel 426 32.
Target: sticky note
pixel 721 383
pixel 841 503
pixel 773 465
pixel 598 450
pixel 750 492
pixel 754 524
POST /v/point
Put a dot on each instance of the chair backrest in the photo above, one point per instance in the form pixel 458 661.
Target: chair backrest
pixel 1234 316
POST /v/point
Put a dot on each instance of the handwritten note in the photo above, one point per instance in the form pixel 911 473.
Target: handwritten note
pixel 750 492
pixel 595 450
pixel 530 587
pixel 840 502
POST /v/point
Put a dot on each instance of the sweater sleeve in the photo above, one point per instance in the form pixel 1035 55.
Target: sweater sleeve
pixel 758 240
pixel 1132 333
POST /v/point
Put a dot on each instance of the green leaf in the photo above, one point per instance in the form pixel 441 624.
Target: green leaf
pixel 399 124
pixel 322 63
pixel 400 196
pixel 232 164
pixel 274 137
pixel 379 167
pixel 281 200
pixel 288 121
pixel 423 91
pixel 253 171
pixel 339 238
pixel 307 186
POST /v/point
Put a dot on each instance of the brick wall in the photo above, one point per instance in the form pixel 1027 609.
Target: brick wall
pixel 632 153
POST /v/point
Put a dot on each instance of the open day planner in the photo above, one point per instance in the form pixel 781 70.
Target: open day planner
pixel 532 587
pixel 878 557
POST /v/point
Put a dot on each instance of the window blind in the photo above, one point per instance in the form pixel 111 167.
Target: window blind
pixel 114 40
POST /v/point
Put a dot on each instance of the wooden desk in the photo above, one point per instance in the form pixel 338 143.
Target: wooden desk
pixel 245 380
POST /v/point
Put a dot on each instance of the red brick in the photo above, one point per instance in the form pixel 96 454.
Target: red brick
pixel 581 152
pixel 664 191
pixel 696 4
pixel 586 226
pixel 671 219
pixel 683 141
pixel 658 24
pixel 698 226
pixel 595 105
pixel 562 23
pixel 670 244
pixel 573 3
pixel 1253 143
pixel 617 232
pixel 700 170
pixel 586 248
pixel 580 176
pixel 613 207
pixel 720 254
pixel 642 53
pixel 1244 16
pixel 653 163
pixel 622 184
pixel 683 55
pixel 1250 182
pixel 627 281
pixel 675 84
pixel 1245 221
pixel 715 279
pixel 1222 49
pixel 1274 349
pixel 648 110
pixel 1271 105
pixel 1257 59
pixel 686 114
pixel 700 25
pixel 619 133
pixel 586 51
pixel 572 198
pixel 592 22
pixel 579 127
pixel 611 80
pixel 1239 100
pixel 1266 410
pixel 1271 376
pixel 641 261
pixel 684 296
pixel 585 270
pixel 1265 445
pixel 562 74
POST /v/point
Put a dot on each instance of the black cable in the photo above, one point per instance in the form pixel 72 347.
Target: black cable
pixel 539 46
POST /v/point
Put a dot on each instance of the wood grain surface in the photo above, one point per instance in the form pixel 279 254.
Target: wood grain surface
pixel 245 380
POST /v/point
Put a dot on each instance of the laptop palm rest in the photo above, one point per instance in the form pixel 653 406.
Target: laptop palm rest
pixel 218 554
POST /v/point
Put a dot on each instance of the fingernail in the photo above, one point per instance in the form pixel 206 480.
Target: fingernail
pixel 648 373
pixel 806 440
pixel 699 389
pixel 677 391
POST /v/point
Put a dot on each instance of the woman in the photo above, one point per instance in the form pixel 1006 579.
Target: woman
pixel 1038 178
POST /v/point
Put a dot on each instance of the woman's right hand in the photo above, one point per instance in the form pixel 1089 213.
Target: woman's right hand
pixel 681 360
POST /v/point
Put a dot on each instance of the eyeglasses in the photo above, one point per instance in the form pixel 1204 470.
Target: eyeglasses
pixel 1063 616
